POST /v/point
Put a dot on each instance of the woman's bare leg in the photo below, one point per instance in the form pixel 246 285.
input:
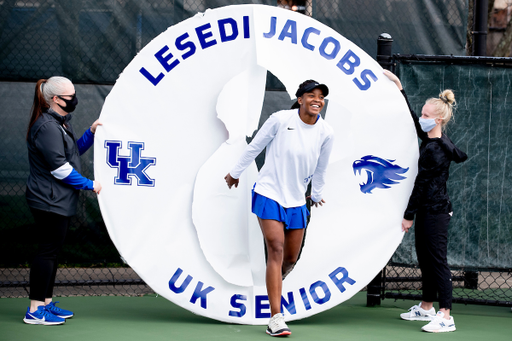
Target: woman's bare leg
pixel 283 249
pixel 273 232
pixel 292 244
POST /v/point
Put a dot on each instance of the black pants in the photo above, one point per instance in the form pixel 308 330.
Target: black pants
pixel 431 234
pixel 50 232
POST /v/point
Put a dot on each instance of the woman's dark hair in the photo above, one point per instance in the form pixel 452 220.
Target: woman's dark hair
pixel 299 93
pixel 38 106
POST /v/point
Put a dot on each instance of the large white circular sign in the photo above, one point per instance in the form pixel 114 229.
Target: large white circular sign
pixel 175 123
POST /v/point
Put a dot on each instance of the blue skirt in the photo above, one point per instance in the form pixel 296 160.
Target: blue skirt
pixel 266 208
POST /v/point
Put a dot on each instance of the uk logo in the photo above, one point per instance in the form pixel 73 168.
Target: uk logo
pixel 131 166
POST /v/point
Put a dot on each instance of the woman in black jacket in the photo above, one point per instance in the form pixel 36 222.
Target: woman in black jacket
pixel 430 204
pixel 52 188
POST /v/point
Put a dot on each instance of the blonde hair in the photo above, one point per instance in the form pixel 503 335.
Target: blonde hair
pixel 443 105
pixel 53 86
pixel 45 90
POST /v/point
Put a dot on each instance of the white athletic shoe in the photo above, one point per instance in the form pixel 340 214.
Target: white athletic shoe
pixel 277 326
pixel 416 313
pixel 439 324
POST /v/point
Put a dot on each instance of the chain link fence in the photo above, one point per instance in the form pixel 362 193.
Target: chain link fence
pixel 470 285
pixel 80 281
pixel 92 41
pixel 434 27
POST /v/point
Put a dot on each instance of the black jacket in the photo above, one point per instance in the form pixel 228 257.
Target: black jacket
pixel 436 154
pixel 50 145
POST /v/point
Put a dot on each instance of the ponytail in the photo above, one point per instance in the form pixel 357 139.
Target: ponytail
pixel 38 106
pixel 46 89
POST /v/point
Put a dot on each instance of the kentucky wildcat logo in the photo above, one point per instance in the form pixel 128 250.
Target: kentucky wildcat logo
pixel 381 173
pixel 129 166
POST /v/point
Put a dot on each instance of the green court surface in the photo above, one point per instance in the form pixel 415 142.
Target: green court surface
pixel 151 318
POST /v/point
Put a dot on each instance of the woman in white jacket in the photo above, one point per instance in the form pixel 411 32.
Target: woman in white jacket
pixel 298 143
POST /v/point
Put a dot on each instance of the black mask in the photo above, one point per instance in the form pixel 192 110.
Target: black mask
pixel 70 103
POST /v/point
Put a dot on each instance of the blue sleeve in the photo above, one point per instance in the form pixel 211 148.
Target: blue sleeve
pixel 78 181
pixel 85 142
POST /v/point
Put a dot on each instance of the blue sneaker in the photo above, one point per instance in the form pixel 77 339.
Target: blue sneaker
pixel 42 316
pixel 62 313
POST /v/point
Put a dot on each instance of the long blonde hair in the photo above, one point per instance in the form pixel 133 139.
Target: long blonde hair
pixel 443 105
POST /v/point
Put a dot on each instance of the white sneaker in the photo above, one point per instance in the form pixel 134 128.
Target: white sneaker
pixel 277 326
pixel 416 313
pixel 439 324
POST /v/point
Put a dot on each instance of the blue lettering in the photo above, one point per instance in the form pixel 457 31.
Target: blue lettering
pixel 202 35
pixel 222 29
pixel 113 152
pixel 164 60
pixel 290 31
pixel 128 166
pixel 327 293
pixel 247 31
pixel 272 32
pixel 349 62
pixel 305 37
pixel 259 305
pixel 305 298
pixel 184 285
pixel 187 45
pixel 344 278
pixel 135 153
pixel 150 77
pixel 198 293
pixel 366 82
pixel 335 50
pixel 290 305
pixel 237 305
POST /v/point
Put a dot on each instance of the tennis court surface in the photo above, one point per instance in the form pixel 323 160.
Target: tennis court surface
pixel 152 317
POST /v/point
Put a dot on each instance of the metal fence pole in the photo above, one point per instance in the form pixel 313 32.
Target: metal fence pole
pixel 373 292
pixel 384 45
pixel 480 28
pixel 179 11
pixel 376 286
pixel 479 49
pixel 471 279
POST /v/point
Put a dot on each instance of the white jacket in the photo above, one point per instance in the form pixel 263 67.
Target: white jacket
pixel 296 154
